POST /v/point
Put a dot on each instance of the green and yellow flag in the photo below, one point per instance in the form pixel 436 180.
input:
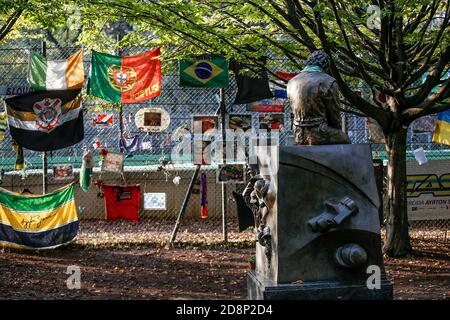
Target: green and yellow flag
pixel 210 72
pixel 38 221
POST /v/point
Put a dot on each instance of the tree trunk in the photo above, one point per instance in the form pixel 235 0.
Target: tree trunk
pixel 397 242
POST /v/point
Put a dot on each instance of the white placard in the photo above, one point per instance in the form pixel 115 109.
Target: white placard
pixel 155 201
pixel 113 162
pixel 428 190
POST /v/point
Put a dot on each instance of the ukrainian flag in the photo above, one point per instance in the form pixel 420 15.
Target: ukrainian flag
pixel 38 221
pixel 442 129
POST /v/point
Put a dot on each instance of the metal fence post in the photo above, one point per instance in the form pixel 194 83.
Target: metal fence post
pixel 223 113
pixel 44 154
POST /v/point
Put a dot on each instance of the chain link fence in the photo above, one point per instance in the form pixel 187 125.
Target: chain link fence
pixel 144 168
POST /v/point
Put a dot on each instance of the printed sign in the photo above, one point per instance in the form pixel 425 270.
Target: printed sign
pixel 63 172
pixel 113 162
pixel 231 173
pixel 155 201
pixel 13 91
pixel 428 190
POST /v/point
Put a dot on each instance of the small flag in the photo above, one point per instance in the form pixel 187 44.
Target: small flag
pixel 97 144
pixel 279 90
pixel 127 79
pixel 130 144
pixel 286 76
pixel 442 129
pixel 281 93
pixel 2 125
pixel 204 73
pixel 266 105
pixel 250 87
pixel 38 221
pixel 204 204
pixel 46 74
pixel 46 120
pixel 104 120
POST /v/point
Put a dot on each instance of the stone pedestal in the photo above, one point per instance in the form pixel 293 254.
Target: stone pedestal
pixel 310 259
pixel 263 289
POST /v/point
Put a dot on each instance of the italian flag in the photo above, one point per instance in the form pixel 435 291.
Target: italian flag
pixel 125 79
pixel 46 74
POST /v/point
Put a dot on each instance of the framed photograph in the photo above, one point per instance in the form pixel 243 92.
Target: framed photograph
pixel 63 171
pixel 113 162
pixel 271 121
pixel 240 122
pixel 206 125
pixel 231 173
pixel 152 119
pixel 155 201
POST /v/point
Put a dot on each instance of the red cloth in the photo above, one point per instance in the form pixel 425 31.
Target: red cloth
pixel 284 75
pixel 122 202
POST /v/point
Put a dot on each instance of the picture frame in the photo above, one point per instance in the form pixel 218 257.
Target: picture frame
pixel 209 125
pixel 154 119
pixel 271 121
pixel 240 122
pixel 63 172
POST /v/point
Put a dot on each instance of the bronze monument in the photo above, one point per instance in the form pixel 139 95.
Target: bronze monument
pixel 314 98
pixel 315 205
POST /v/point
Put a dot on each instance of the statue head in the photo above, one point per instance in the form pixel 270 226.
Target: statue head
pixel 319 58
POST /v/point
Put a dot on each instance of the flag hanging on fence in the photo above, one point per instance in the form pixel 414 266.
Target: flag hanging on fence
pixel 46 74
pixel 2 125
pixel 251 86
pixel 38 221
pixel 127 79
pixel 442 129
pixel 46 120
pixel 204 73
pixel 20 160
pixel 204 203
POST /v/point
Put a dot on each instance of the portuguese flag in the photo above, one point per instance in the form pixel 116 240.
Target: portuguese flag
pixel 206 72
pixel 127 79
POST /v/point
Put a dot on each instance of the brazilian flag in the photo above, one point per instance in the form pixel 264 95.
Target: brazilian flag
pixel 204 72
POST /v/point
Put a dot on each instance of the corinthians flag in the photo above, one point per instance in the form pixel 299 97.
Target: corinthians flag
pixel 46 120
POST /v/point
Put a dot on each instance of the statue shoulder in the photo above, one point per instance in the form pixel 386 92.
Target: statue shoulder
pixel 327 81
